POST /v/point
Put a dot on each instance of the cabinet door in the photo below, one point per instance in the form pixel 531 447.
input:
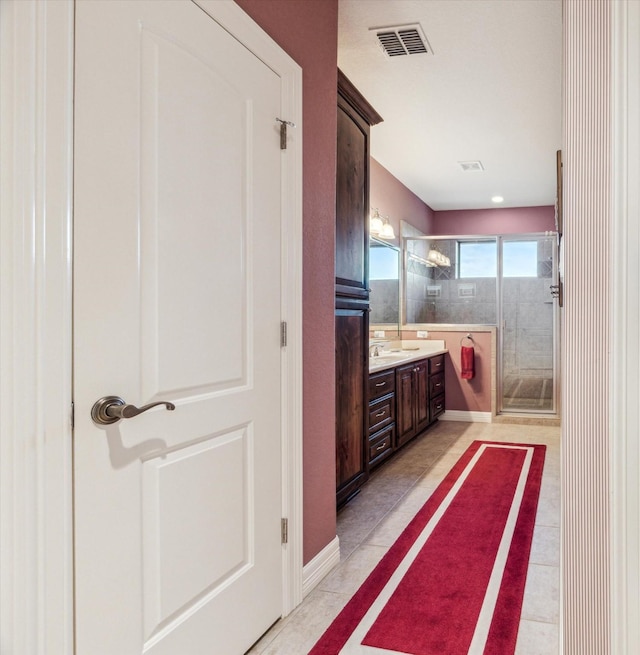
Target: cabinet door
pixel 352 205
pixel 352 456
pixel 421 372
pixel 405 416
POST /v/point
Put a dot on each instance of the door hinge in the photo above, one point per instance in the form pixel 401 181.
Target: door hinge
pixel 283 132
pixel 283 333
pixel 284 530
pixel 73 414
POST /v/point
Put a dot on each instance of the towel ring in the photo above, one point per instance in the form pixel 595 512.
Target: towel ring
pixel 468 336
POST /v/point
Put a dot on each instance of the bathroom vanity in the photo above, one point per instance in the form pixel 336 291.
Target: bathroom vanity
pixel 406 396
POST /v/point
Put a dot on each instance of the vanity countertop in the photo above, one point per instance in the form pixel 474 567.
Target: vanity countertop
pixel 405 353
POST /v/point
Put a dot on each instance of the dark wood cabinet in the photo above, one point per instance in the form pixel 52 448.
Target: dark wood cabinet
pixel 403 402
pixel 355 116
pixel 352 248
pixel 436 387
pixel 412 384
pixel 382 416
pixel 352 338
pixel 420 396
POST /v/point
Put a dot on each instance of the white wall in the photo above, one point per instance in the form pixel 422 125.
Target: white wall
pixel 601 349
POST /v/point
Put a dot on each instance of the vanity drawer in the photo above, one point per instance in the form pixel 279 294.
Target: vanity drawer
pixel 381 445
pixel 436 364
pixel 436 385
pixel 380 384
pixel 381 412
pixel 436 407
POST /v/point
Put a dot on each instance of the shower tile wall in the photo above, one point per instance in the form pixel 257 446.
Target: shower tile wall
pixel 434 295
pixel 385 309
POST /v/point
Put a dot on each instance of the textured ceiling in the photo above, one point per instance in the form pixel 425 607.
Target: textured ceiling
pixel 491 91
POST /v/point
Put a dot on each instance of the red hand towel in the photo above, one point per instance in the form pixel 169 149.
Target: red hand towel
pixel 467 362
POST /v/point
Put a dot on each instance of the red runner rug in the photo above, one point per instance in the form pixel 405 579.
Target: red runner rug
pixel 454 580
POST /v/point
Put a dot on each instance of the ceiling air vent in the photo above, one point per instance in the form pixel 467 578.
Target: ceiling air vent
pixel 469 166
pixel 402 40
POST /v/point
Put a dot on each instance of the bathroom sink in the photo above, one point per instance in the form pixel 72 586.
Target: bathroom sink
pixel 387 359
pixel 393 356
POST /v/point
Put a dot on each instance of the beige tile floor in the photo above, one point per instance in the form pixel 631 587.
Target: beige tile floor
pixel 370 523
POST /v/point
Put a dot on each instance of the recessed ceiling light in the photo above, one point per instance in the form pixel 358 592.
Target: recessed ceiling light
pixel 497 199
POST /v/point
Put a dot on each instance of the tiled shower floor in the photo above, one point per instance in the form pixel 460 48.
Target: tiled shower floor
pixel 370 523
pixel 527 393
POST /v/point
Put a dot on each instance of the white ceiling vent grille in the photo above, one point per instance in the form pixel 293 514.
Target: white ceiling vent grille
pixel 469 166
pixel 402 40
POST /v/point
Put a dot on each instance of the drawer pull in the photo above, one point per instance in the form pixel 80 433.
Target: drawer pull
pixel 439 406
pixel 379 414
pixel 380 384
pixel 382 446
pixel 438 385
pixel 439 364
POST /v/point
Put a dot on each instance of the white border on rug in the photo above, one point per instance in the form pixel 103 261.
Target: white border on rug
pixel 354 645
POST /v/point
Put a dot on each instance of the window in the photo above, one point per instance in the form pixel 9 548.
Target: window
pixel 520 259
pixel 477 259
pixel 383 262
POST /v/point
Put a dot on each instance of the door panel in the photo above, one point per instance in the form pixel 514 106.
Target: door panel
pixel 177 297
pixel 199 489
pixel 405 419
pixel 351 204
pixel 528 379
pixel 351 414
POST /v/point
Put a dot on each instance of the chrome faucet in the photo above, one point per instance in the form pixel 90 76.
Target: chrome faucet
pixel 376 350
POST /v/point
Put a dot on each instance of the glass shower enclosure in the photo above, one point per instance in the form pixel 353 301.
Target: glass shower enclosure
pixel 528 334
pixel 506 281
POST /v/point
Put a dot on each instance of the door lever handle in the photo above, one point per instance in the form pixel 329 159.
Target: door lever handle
pixel 110 409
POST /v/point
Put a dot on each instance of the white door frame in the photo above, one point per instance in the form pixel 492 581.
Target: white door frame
pixel 36 177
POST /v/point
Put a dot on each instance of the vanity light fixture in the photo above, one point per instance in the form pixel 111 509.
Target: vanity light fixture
pixel 437 258
pixel 380 227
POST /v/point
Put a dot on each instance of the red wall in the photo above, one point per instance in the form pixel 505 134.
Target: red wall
pixel 464 395
pixel 506 220
pixel 394 200
pixel 467 395
pixel 308 32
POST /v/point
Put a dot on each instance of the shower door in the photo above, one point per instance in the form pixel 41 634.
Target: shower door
pixel 528 338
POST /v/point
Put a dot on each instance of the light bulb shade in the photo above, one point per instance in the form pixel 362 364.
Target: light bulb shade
pixel 375 225
pixel 387 232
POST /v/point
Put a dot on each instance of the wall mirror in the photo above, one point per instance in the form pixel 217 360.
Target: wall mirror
pixel 384 281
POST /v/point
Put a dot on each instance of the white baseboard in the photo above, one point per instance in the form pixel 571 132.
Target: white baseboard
pixel 467 417
pixel 320 565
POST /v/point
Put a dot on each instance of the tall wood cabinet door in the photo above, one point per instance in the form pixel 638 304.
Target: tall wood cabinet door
pixel 355 116
pixel 352 326
pixel 421 373
pixel 405 417
pixel 352 205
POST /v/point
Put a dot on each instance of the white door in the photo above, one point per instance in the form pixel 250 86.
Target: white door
pixel 177 298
